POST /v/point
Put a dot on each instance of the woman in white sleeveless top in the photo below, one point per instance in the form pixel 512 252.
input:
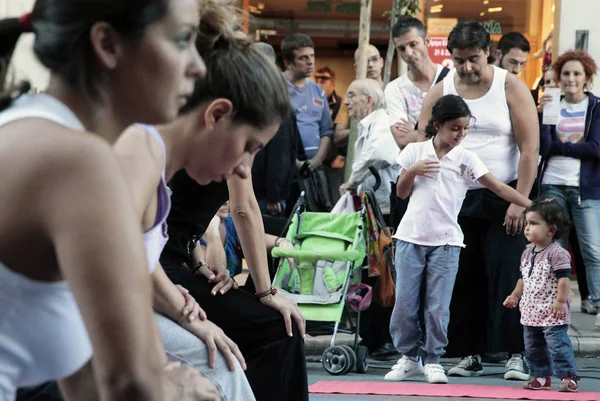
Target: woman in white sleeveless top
pixel 505 135
pixel 66 219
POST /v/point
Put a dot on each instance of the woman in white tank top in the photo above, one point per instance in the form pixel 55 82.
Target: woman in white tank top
pixel 66 220
pixel 505 135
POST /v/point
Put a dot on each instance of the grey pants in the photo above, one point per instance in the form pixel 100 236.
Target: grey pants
pixel 183 346
pixel 437 266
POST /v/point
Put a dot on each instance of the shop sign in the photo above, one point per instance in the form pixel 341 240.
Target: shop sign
pixel 438 51
pixel 493 28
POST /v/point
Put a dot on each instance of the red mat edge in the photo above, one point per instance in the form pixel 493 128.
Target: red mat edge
pixel 447 390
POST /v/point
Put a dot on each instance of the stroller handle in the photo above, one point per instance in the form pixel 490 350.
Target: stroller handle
pixel 374 171
pixel 309 256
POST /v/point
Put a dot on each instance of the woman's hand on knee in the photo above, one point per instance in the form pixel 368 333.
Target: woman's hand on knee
pixel 289 310
pixel 216 340
pixel 192 309
pixel 187 384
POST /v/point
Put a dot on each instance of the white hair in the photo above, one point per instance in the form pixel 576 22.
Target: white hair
pixel 372 88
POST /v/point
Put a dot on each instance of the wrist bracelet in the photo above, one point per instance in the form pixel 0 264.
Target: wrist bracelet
pixel 270 291
pixel 278 241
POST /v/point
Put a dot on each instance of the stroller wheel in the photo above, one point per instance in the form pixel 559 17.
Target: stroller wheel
pixel 352 355
pixel 336 360
pixel 362 359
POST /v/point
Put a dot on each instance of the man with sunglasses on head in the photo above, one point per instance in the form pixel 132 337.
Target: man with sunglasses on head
pixel 325 78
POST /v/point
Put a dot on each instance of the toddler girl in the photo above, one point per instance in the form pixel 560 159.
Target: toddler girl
pixel 543 297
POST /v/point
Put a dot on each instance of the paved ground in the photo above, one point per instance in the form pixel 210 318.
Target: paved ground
pixel 584 335
pixel 589 370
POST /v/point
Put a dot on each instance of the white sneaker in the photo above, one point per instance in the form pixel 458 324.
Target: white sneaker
pixel 516 368
pixel 588 307
pixel 434 373
pixel 598 320
pixel 404 369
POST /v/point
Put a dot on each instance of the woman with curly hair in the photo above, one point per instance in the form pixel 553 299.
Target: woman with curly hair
pixel 570 170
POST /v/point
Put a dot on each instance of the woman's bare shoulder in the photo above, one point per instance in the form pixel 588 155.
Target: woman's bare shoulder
pixel 36 148
pixel 141 153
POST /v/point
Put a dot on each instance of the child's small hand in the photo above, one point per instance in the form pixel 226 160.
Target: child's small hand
pixel 559 309
pixel 511 302
pixel 425 168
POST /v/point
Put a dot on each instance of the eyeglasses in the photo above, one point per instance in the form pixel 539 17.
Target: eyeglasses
pixel 323 78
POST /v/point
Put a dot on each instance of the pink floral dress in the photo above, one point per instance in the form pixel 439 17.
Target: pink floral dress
pixel 540 287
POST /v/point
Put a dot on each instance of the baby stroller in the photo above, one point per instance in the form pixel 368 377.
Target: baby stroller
pixel 320 272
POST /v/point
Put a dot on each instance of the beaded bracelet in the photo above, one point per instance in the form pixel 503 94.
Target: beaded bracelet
pixel 270 291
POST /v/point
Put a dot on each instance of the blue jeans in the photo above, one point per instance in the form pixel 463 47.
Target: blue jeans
pixel 437 266
pixel 546 347
pixel 586 220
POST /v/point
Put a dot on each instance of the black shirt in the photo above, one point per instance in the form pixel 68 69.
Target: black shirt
pixel 192 208
pixel 335 102
pixel 274 166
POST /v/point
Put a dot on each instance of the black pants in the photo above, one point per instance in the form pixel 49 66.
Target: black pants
pixel 374 327
pixel 44 392
pixel 276 362
pixel 488 272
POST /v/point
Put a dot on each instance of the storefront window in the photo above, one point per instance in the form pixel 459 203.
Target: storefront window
pixel 499 16
pixel 532 18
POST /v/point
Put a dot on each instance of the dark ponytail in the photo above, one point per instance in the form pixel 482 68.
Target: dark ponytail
pixel 447 108
pixel 11 30
pixel 237 70
pixel 62 42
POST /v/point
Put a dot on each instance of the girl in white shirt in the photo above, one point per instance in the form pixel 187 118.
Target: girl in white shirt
pixel 436 174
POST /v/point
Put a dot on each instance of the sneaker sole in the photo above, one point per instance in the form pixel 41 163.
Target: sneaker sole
pixel 513 375
pixel 465 373
pixel 568 391
pixel 438 382
pixel 418 373
pixel 539 388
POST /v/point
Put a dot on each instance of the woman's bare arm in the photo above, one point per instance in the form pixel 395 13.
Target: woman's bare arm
pixel 214 253
pixel 85 208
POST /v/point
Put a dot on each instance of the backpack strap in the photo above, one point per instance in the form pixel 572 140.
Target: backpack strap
pixel 442 75
pixel 439 79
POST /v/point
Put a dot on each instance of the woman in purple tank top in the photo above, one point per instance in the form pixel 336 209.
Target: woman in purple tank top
pixel 224 124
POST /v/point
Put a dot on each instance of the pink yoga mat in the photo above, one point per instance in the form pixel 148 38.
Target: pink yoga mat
pixel 448 390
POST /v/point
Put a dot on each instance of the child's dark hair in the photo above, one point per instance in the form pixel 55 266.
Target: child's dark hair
pixel 447 108
pixel 553 213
